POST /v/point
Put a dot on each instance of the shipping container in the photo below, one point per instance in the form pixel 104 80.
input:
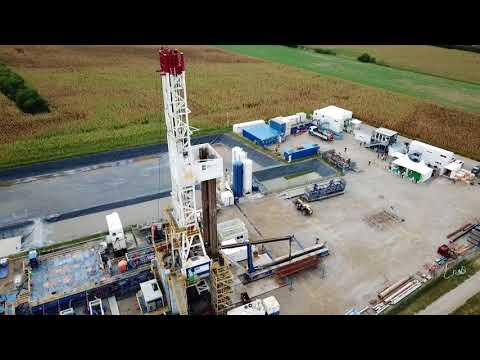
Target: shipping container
pixel 302 152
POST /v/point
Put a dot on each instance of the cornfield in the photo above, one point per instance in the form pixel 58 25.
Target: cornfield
pixel 105 97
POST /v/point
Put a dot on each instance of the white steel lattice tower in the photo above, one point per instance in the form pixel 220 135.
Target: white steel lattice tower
pixel 186 167
pixel 178 137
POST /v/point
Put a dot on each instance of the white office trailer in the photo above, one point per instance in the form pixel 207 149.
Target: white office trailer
pixel 238 128
pixel 247 176
pixel 333 118
pixel 433 156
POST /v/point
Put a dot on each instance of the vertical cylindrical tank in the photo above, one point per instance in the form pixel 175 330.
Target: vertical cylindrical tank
pixel 238 179
pixel 247 176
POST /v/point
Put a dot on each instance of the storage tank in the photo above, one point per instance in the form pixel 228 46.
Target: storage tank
pixel 247 176
pixel 237 179
pixel 238 154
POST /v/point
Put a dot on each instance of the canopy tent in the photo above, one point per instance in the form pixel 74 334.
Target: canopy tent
pixel 416 171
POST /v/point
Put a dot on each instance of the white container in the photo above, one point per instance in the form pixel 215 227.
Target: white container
pixel 332 117
pixel 236 254
pixel 271 305
pixel 433 156
pixel 234 229
pixel 247 176
pixel 226 198
pixel 238 128
pixel 302 117
pixel 253 308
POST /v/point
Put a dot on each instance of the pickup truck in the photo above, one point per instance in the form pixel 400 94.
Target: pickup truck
pixel 322 134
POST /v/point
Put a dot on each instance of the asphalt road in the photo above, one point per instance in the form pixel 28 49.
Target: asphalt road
pixel 70 190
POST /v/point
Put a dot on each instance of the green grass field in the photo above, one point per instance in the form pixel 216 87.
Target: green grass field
pixel 451 93
pixel 471 307
pixel 432 60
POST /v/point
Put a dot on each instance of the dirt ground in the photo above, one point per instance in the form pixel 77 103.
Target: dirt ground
pixel 363 257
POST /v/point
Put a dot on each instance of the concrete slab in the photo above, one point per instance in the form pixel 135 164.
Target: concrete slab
pixel 10 246
pixel 363 258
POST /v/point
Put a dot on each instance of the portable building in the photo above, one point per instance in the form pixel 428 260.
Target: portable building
pixel 416 171
pixel 301 152
pixel 279 124
pixel 332 118
pixel 384 136
pixel 262 134
pixel 432 156
pixel 238 128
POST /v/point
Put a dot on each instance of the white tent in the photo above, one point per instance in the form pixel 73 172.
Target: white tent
pixel 418 171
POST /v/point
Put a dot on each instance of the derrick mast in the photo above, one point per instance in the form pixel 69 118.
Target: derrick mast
pixel 189 165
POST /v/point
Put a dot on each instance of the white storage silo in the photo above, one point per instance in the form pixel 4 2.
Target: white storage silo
pixel 247 176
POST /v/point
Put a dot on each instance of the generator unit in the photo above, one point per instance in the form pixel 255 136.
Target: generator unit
pixel 324 190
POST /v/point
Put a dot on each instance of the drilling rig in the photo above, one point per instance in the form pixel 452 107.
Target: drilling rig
pixel 189 166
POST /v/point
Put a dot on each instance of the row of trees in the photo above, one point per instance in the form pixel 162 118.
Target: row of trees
pixel 27 99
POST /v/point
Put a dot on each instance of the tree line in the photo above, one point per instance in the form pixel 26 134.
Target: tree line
pixel 27 99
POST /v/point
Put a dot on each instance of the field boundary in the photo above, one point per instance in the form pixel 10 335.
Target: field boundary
pixel 44 168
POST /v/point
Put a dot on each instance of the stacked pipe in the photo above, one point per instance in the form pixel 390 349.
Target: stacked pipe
pixel 460 232
pixel 474 236
pixel 396 292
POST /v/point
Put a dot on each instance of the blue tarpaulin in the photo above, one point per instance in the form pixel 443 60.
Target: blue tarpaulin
pixel 261 134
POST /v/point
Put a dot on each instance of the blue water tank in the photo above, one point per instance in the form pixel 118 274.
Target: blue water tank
pixel 237 179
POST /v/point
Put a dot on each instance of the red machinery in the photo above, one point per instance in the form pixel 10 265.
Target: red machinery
pixel 171 61
pixel 445 251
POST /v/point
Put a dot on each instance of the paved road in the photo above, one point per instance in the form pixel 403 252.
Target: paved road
pixel 454 298
pixel 83 188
